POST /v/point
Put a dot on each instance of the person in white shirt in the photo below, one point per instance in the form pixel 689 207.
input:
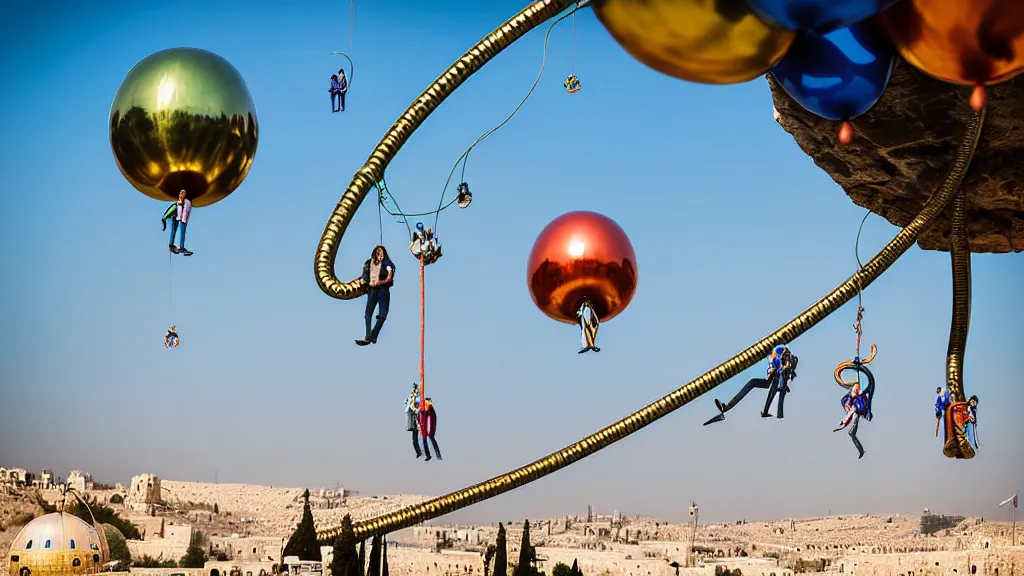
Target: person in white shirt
pixel 178 214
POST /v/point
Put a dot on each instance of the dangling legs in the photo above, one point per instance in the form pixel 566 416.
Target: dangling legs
pixel 751 385
pixel 372 298
pixel 853 435
pixel 782 399
pixel 436 449
pixel 174 230
pixel 416 442
pixel 181 240
pixel 334 99
pixel 775 388
pixel 384 298
pixel 341 98
pixel 426 449
pixel 589 325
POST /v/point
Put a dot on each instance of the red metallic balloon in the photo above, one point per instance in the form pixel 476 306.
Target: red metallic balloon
pixel 582 256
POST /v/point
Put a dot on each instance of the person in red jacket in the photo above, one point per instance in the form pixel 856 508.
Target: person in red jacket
pixel 428 426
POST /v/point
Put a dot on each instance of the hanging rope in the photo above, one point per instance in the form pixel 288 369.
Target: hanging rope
pixel 465 155
pixel 351 24
pixel 572 60
pixel 423 340
pixel 858 325
pixel 383 193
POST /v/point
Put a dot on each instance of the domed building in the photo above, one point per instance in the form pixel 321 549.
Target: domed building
pixel 58 544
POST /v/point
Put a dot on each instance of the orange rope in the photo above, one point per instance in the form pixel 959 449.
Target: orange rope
pixel 423 325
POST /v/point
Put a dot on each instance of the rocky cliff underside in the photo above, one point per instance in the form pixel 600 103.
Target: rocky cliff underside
pixel 903 148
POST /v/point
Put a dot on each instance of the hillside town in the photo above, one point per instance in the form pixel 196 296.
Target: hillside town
pixel 242 530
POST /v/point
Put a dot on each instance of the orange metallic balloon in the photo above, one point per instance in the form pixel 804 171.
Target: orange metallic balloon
pixel 974 42
pixel 579 257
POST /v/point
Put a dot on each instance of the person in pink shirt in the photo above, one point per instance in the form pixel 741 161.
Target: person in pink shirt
pixel 178 213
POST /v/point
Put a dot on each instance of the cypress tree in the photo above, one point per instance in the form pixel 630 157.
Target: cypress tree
pixel 524 567
pixel 575 571
pixel 501 554
pixel 303 541
pixel 374 569
pixel 362 558
pixel 345 561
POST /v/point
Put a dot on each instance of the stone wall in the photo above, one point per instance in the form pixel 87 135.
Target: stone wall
pixel 252 549
pixel 172 546
pixel 144 491
pixel 995 562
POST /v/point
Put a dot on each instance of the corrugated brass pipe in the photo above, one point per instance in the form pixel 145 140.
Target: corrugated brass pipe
pixel 605 437
pixel 327 251
pixel 957 444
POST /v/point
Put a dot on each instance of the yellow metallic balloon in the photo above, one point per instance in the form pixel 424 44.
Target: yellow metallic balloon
pixel 707 41
pixel 184 119
pixel 974 42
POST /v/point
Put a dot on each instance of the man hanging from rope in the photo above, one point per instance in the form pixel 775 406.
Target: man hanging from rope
pixel 411 418
pixel 588 327
pixel 428 426
pixel 857 404
pixel 178 213
pixel 781 370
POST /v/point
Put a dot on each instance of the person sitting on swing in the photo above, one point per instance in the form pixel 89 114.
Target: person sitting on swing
pixel 428 426
pixel 412 418
pixel 379 274
pixel 856 404
pixel 335 91
pixel 342 89
pixel 171 339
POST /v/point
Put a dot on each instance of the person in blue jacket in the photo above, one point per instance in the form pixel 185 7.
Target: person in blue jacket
pixel 781 370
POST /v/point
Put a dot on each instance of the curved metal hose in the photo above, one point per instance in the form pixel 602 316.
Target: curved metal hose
pixel 607 436
pixel 957 444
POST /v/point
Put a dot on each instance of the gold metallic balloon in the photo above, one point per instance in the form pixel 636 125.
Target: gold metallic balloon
pixel 582 256
pixel 975 42
pixel 708 41
pixel 184 119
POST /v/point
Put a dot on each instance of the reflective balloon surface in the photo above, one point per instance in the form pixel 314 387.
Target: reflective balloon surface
pixel 582 256
pixel 839 75
pixel 818 16
pixel 184 119
pixel 962 41
pixel 708 41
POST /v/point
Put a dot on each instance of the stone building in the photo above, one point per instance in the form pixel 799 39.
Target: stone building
pixel 79 480
pixel 144 491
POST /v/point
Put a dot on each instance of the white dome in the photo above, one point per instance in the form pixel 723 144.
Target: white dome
pixel 56 532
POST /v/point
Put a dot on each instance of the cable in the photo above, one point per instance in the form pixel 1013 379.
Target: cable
pixel 465 155
pixel 351 24
pixel 858 325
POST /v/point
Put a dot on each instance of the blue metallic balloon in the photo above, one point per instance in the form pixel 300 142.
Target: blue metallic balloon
pixel 819 16
pixel 839 75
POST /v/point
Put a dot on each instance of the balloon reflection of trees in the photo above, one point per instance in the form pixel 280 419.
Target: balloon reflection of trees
pixel 161 153
pixel 560 289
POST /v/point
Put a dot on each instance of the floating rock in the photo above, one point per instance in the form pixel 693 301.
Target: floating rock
pixel 904 146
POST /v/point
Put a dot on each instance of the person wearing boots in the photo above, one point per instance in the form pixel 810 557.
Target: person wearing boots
pixel 428 426
pixel 379 274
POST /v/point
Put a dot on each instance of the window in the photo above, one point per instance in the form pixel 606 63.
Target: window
pixel 47 545
pixel 96 558
pixel 76 562
pixel 15 558
pixel 72 543
pixel 29 545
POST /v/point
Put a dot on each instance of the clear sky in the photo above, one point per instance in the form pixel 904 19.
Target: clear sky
pixel 734 228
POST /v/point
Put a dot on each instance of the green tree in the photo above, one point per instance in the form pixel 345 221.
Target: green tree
pixel 501 554
pixel 303 541
pixel 118 547
pixel 148 561
pixel 346 560
pixel 524 566
pixel 216 508
pixel 104 515
pixel 561 569
pixel 488 557
pixel 575 571
pixel 195 557
pixel 374 569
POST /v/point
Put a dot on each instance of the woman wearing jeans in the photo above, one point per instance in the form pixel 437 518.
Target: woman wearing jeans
pixel 379 273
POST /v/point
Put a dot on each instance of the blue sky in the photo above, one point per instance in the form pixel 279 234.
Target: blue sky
pixel 268 386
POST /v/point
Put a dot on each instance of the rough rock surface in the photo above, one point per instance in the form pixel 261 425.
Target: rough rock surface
pixel 904 146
